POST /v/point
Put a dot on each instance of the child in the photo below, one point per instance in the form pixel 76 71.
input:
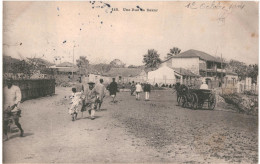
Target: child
pixel 76 103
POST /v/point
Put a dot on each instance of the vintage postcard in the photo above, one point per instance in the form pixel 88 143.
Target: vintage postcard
pixel 130 82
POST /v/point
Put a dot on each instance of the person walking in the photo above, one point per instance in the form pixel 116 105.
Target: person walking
pixel 100 89
pixel 147 90
pixel 138 90
pixel 90 100
pixel 12 100
pixel 113 89
pixel 132 88
pixel 76 103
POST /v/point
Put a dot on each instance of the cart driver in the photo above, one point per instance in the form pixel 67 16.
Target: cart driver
pixel 204 85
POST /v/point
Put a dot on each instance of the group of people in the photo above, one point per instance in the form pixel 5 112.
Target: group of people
pixel 138 88
pixel 87 98
pixel 90 98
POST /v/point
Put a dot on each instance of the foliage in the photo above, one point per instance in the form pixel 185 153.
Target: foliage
pixel 132 66
pixel 101 68
pixel 253 72
pixel 116 63
pixel 82 64
pixel 152 59
pixel 243 70
pixel 173 51
pixel 243 103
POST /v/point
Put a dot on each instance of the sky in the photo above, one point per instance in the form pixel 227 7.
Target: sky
pixel 56 30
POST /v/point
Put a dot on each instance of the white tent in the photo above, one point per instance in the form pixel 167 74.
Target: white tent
pixel 163 75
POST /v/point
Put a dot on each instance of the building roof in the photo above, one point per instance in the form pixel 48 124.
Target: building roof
pixel 65 64
pixel 125 72
pixel 195 53
pixel 66 69
pixel 184 72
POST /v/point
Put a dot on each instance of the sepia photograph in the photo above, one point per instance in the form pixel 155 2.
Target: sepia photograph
pixel 130 82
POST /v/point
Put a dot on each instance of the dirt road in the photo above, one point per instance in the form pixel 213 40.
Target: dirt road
pixel 131 131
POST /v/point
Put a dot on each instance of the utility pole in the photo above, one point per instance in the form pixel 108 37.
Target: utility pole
pixel 73 61
pixel 221 69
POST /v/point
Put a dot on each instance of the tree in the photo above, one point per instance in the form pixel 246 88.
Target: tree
pixel 173 51
pixel 82 64
pixel 252 72
pixel 132 66
pixel 152 59
pixel 238 67
pixel 117 63
pixel 101 68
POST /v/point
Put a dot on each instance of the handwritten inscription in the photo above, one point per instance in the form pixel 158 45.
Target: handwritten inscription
pixel 215 5
pixel 224 8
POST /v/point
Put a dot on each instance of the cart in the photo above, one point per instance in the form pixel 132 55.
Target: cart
pixel 202 96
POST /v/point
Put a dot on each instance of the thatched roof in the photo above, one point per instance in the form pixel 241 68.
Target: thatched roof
pixel 65 64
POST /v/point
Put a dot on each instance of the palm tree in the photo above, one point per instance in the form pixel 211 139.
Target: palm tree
pixel 151 59
pixel 173 51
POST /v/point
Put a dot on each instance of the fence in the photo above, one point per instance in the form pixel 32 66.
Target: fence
pixel 36 88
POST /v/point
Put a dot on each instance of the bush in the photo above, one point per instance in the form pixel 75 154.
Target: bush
pixel 243 103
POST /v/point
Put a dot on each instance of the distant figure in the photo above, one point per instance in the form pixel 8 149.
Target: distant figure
pixel 113 89
pixel 11 103
pixel 204 85
pixel 147 90
pixel 100 89
pixel 76 103
pixel 138 90
pixel 132 88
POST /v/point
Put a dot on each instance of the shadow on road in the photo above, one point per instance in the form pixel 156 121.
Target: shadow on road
pixel 18 135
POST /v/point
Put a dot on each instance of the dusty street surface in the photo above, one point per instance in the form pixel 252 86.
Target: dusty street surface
pixel 131 131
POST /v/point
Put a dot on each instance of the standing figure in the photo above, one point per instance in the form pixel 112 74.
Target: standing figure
pixel 91 99
pixel 12 99
pixel 147 90
pixel 113 89
pixel 138 90
pixel 100 89
pixel 204 85
pixel 76 103
pixel 132 88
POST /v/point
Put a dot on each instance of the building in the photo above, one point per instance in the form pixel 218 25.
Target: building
pixel 125 75
pixel 169 75
pixel 66 68
pixel 199 63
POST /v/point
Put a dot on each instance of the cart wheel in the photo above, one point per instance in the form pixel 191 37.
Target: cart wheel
pixel 195 101
pixel 212 101
pixel 183 101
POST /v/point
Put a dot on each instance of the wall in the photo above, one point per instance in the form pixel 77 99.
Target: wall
pixel 191 64
pixel 164 75
pixel 35 88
